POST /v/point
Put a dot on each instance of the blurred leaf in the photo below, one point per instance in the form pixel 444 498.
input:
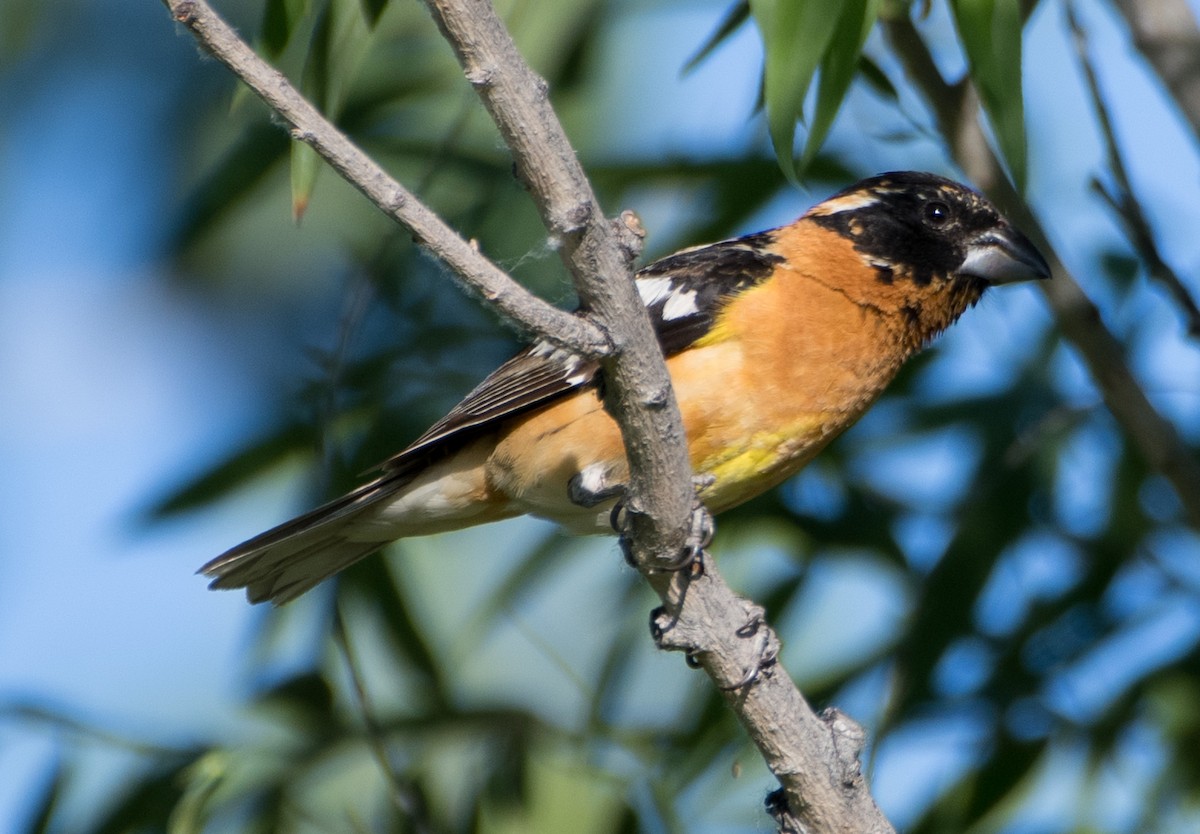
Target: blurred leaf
pixel 534 568
pixel 381 591
pixel 838 69
pixel 372 9
pixel 22 19
pixel 1010 764
pixel 280 18
pixel 877 79
pixel 201 780
pixel 305 166
pixel 146 802
pixel 800 36
pixel 734 19
pixel 796 35
pixel 563 795
pixel 308 695
pixel 243 167
pixel 315 80
pixel 44 808
pixel 233 472
pixel 990 32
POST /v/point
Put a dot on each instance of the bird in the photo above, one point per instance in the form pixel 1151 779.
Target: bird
pixel 776 342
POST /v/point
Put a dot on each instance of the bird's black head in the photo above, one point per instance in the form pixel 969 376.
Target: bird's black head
pixel 919 227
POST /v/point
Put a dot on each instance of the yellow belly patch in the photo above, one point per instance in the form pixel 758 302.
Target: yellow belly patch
pixel 768 458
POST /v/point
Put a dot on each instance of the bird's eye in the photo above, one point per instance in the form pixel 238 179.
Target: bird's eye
pixel 937 213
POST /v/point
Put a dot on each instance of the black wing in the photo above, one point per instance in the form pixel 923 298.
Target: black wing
pixel 683 292
pixel 537 375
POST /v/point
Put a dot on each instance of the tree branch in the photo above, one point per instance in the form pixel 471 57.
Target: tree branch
pixel 1120 196
pixel 1165 32
pixel 1155 437
pixel 815 758
pixel 308 125
pixel 701 615
pixel 599 255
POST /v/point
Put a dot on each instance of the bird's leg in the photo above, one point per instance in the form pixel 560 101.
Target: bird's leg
pixel 701 530
pixel 699 537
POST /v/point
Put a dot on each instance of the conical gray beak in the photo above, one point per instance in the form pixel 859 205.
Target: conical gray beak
pixel 1003 256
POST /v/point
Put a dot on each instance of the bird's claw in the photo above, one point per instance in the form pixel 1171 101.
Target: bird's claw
pixel 767 652
pixel 701 529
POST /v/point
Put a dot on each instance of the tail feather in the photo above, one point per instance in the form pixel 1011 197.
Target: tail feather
pixel 285 561
pixel 306 569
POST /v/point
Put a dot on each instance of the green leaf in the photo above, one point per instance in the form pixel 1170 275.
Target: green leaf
pixel 990 31
pixel 800 37
pixel 201 780
pixel 796 34
pixel 838 69
pixel 372 9
pixel 875 78
pixel 237 469
pixel 232 180
pixel 305 165
pixel 737 15
pixel 46 806
pixel 279 23
pixel 315 80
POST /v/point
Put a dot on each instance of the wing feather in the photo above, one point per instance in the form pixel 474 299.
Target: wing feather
pixel 683 293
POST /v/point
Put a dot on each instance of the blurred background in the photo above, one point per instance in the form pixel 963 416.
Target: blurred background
pixel 202 332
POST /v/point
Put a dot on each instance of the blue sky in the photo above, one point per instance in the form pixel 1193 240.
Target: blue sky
pixel 117 383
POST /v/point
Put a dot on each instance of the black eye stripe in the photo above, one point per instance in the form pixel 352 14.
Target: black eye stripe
pixel 917 228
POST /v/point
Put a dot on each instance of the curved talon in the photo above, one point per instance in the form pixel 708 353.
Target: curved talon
pixel 616 516
pixel 627 551
pixel 768 656
pixel 776 805
pixel 700 536
pixel 656 629
pixel 758 670
pixel 747 679
pixel 750 626
pixel 689 558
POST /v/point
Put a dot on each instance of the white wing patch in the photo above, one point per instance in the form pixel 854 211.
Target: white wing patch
pixel 677 303
pixel 571 363
pixel 653 290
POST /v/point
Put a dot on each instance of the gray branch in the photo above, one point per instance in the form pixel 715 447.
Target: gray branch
pixel 599 254
pixel 309 126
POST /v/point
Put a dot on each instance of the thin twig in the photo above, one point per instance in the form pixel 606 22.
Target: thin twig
pixel 403 797
pixel 1120 196
pixel 1165 32
pixel 308 125
pixel 1155 437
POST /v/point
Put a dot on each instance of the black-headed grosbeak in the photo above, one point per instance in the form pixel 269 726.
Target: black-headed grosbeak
pixel 776 342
